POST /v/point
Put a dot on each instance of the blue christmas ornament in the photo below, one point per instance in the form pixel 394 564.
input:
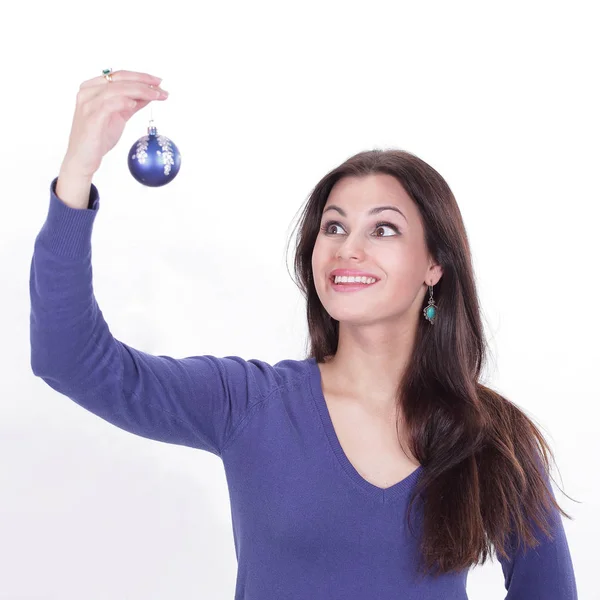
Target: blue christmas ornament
pixel 154 160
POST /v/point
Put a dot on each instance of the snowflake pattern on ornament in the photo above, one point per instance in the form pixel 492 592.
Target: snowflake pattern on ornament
pixel 167 152
pixel 140 149
pixel 164 142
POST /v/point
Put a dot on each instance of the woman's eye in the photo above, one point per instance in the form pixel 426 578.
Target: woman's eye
pixel 329 224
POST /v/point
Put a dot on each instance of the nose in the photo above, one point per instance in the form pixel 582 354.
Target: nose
pixel 350 249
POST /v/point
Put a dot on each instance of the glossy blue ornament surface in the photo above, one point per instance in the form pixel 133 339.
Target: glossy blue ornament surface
pixel 154 160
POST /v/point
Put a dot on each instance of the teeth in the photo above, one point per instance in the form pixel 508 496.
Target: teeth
pixel 345 279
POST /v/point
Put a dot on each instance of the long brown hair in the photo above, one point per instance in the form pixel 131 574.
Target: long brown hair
pixel 485 475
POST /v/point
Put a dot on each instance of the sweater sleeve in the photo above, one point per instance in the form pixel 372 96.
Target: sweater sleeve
pixel 196 401
pixel 542 573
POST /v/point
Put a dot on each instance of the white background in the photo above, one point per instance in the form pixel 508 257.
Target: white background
pixel 266 97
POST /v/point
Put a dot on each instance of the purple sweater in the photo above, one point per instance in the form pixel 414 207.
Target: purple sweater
pixel 306 524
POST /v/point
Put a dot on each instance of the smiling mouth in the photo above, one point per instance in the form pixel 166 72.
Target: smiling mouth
pixel 332 279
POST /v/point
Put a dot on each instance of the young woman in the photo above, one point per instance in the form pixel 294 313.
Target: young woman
pixel 377 467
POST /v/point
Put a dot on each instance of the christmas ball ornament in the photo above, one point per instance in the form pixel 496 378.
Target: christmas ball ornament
pixel 154 160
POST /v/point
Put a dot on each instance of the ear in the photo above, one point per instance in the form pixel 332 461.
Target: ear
pixel 434 274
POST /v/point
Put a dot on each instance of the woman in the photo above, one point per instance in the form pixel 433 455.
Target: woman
pixel 377 467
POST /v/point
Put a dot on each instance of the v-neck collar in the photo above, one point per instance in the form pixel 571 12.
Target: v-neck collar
pixel 384 495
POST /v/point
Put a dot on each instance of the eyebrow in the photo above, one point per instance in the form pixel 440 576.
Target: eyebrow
pixel 373 211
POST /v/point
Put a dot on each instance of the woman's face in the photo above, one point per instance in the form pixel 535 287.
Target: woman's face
pixel 389 244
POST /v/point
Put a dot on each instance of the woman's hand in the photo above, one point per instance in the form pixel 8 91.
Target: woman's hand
pixel 101 111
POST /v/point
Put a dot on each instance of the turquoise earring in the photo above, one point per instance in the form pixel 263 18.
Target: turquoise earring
pixel 430 311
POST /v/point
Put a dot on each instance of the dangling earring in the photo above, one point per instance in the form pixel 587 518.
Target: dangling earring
pixel 430 311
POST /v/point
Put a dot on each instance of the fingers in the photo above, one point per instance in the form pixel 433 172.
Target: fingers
pixel 137 86
pixel 126 86
pixel 117 104
pixel 139 105
pixel 122 76
pixel 129 89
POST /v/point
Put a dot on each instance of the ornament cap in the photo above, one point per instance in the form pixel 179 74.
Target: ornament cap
pixel 151 128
